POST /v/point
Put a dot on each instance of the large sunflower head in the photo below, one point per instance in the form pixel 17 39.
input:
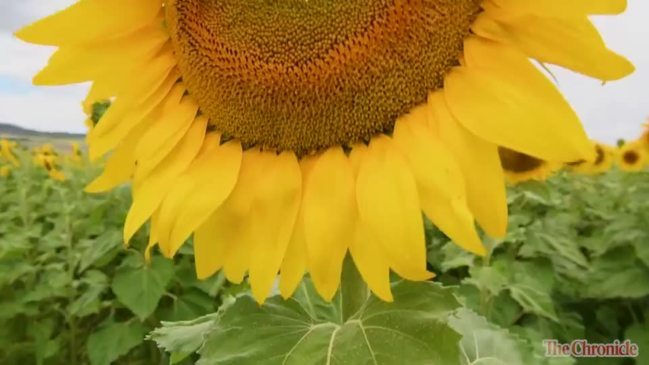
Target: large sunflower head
pixel 605 156
pixel 286 134
pixel 520 167
pixel 631 157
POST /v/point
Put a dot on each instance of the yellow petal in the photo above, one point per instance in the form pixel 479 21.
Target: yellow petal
pixel 131 109
pixel 295 259
pixel 440 183
pixel 209 247
pixel 153 236
pixel 89 20
pixel 329 212
pixel 371 263
pixel 198 193
pixel 388 204
pixel 117 123
pixel 561 8
pixel 76 64
pixel 294 262
pixel 480 164
pixel 572 43
pixel 119 167
pixel 148 194
pixel 501 97
pixel 235 213
pixel 164 134
pixel 274 211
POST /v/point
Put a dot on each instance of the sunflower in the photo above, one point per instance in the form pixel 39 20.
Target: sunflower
pixel 45 156
pixel 520 167
pixel 7 154
pixel 644 137
pixel 631 157
pixel 602 163
pixel 46 149
pixel 76 154
pixel 285 134
pixel 5 171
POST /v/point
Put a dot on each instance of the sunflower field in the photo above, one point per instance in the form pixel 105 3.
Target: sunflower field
pixel 324 182
pixel 574 265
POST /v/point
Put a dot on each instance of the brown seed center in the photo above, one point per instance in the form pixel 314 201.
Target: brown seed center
pixel 631 157
pixel 517 162
pixel 305 75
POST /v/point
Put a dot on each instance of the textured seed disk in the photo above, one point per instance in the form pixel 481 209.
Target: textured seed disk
pixel 600 155
pixel 305 75
pixel 631 157
pixel 513 161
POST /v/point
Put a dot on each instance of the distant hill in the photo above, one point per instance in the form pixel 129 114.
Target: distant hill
pixel 16 131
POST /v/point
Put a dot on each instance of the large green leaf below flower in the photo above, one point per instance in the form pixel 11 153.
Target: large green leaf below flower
pixel 305 330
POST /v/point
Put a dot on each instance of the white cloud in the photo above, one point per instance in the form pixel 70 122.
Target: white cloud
pixel 24 60
pixel 17 13
pixel 45 109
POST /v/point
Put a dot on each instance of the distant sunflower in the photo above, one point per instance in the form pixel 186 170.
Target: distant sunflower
pixel 49 162
pixel 632 157
pixel 76 154
pixel 7 152
pixel 602 163
pixel 285 134
pixel 520 167
pixel 5 171
pixel 644 137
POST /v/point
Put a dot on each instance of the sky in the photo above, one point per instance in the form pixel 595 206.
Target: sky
pixel 611 111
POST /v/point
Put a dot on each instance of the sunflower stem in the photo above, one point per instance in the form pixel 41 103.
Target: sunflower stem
pixel 353 290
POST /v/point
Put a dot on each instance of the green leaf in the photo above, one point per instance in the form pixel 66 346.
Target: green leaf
pixel 412 330
pixel 112 341
pixel 191 304
pixel 139 287
pixel 638 333
pixel 485 344
pixel 535 340
pixel 455 257
pixel 95 250
pixel 487 279
pixel 618 274
pixel 183 338
pixel 94 284
pixel 531 286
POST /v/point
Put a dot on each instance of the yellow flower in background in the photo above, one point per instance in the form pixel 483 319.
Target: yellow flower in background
pixel 5 171
pixel 45 149
pixel 602 163
pixel 7 152
pixel 57 175
pixel 76 155
pixel 631 157
pixel 283 136
pixel 49 162
pixel 520 167
pixel 644 137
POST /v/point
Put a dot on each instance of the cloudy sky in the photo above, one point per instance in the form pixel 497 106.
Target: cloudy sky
pixel 609 112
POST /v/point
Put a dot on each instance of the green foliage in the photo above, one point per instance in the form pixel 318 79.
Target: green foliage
pixel 306 330
pixel 70 292
pixel 99 108
pixel 573 264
